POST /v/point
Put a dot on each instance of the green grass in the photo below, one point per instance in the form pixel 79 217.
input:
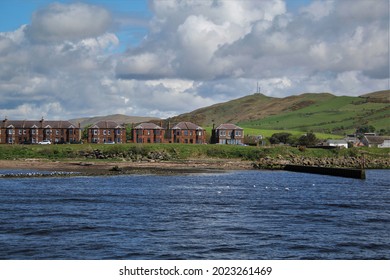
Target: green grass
pixel 266 133
pixel 341 114
pixel 176 151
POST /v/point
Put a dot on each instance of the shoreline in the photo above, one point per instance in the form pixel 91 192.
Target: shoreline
pixel 99 168
pixel 35 167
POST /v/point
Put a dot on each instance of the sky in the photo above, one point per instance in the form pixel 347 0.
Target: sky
pixel 67 59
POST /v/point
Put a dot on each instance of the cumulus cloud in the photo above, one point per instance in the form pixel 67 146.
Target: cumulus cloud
pixel 68 62
pixel 59 22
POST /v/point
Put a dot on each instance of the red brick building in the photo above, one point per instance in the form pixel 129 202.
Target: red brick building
pixel 33 132
pixel 106 132
pixel 228 134
pixel 187 133
pixel 148 133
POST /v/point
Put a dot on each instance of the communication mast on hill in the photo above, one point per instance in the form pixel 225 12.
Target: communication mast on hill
pixel 258 88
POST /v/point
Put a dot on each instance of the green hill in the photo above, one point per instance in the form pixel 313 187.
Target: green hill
pixel 318 112
pixel 121 119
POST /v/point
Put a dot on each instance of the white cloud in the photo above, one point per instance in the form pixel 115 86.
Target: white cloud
pixel 77 21
pixel 317 10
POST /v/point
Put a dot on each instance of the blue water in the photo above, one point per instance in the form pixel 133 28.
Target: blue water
pixel 235 215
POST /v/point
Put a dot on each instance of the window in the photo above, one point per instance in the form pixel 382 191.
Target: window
pixel 104 132
pixel 222 133
pixel 95 132
pixel 238 133
pixel 10 131
pixel 199 132
pixel 20 132
pixel 57 132
pixel 185 132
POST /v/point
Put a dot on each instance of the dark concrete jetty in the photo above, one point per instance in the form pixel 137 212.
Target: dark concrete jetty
pixel 341 172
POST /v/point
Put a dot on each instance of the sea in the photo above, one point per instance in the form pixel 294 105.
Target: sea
pixel 235 215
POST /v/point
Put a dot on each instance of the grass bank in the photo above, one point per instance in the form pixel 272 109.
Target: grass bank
pixel 177 151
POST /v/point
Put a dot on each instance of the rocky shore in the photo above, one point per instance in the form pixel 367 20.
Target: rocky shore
pixel 46 168
pixel 99 163
pixel 338 162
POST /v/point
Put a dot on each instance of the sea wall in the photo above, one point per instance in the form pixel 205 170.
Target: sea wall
pixel 339 162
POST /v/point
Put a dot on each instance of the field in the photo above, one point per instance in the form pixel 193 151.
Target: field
pixel 338 115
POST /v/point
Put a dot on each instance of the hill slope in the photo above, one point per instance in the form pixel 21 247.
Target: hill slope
pixel 319 112
pixel 116 118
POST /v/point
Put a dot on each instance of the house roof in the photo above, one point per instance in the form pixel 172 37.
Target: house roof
pixel 376 139
pixel 107 125
pixel 229 126
pixel 338 141
pixel 187 125
pixel 39 124
pixel 148 126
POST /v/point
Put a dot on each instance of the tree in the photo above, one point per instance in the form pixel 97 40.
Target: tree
pixel 281 137
pixel 309 139
pixel 84 134
pixel 365 129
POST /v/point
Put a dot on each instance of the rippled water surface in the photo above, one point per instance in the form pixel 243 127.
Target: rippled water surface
pixel 236 215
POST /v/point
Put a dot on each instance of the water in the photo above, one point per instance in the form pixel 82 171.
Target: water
pixel 236 215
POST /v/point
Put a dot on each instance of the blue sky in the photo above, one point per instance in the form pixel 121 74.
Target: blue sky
pixel 66 59
pixel 14 13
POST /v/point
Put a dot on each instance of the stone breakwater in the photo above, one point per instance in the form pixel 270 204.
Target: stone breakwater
pixel 337 162
pixel 278 162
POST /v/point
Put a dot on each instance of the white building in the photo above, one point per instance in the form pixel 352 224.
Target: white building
pixel 337 143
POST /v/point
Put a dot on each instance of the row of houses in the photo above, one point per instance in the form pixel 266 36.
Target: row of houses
pixel 32 132
pixel 182 132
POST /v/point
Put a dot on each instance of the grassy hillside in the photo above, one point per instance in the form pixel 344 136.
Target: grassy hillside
pixel 116 118
pixel 318 112
pixel 337 115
